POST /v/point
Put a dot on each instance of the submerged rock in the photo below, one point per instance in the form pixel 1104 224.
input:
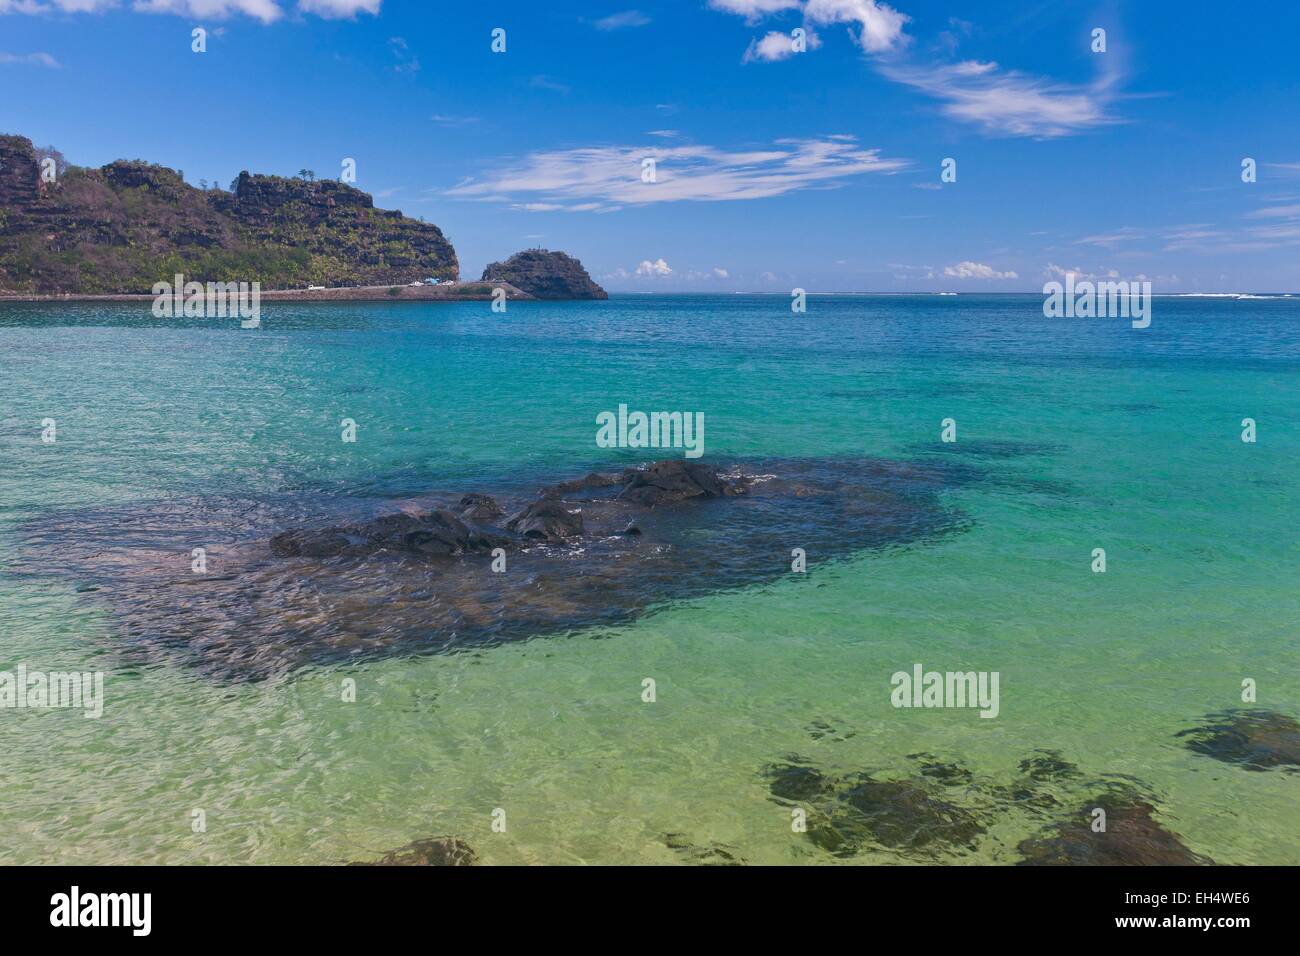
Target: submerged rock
pixel 438 533
pixel 796 781
pixel 899 814
pixel 709 854
pixel 305 579
pixel 945 772
pixel 438 851
pixel 1048 765
pixel 1133 837
pixel 822 730
pixel 1256 739
pixel 846 815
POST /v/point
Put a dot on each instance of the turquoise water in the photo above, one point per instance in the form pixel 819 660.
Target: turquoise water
pixel 1087 434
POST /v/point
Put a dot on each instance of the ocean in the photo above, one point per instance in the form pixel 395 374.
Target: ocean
pixel 1071 435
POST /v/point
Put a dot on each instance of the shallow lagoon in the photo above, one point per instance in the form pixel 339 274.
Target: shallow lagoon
pixel 1085 434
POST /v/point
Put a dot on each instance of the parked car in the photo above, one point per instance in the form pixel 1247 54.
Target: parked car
pixel 314 288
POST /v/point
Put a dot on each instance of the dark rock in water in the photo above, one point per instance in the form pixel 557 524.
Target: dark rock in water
pixel 1048 765
pixel 1132 837
pixel 478 507
pixel 322 543
pixel 900 814
pixel 711 854
pixel 438 533
pixel 949 774
pixel 796 781
pixel 668 482
pixel 1029 798
pixel 438 851
pixel 547 520
pixel 821 730
pixel 849 815
pixel 545 275
pixel 1256 739
pixel 307 579
pixel 591 482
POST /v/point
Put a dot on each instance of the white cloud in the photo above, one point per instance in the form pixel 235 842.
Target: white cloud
pixel 753 9
pixel 621 21
pixel 657 269
pixel 880 25
pixel 265 10
pixel 268 11
pixel 1275 212
pixel 1055 271
pixel 1005 102
pixel 35 59
pixel 1108 239
pixel 975 270
pixel 721 273
pixel 64 6
pixel 607 177
pixel 542 82
pixel 1008 102
pixel 777 46
pixel 444 119
pixel 339 9
pixel 406 61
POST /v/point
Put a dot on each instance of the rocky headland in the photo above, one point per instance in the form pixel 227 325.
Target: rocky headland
pixel 76 232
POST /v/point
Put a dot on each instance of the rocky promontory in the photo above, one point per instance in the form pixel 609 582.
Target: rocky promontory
pixel 545 275
pixel 126 225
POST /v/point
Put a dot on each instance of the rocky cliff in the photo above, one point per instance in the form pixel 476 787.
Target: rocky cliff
pixel 546 275
pixel 120 228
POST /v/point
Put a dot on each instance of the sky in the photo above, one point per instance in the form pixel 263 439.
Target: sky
pixel 773 167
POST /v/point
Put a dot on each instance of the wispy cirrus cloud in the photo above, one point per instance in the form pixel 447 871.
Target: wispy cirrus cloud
pixel 621 21
pixel 446 119
pixel 32 59
pixel 267 11
pixel 603 178
pixel 1008 102
pixel 1112 238
pixel 1275 212
pixel 340 9
pixel 405 60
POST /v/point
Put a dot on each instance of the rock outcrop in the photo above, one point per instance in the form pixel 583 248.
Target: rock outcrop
pixel 319 578
pixel 437 851
pixel 1254 739
pixel 1132 837
pixel 546 275
pixel 129 224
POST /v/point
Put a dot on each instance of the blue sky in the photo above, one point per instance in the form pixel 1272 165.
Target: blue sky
pixel 774 169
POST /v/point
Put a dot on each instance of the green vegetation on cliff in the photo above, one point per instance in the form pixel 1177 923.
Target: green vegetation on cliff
pixel 127 225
